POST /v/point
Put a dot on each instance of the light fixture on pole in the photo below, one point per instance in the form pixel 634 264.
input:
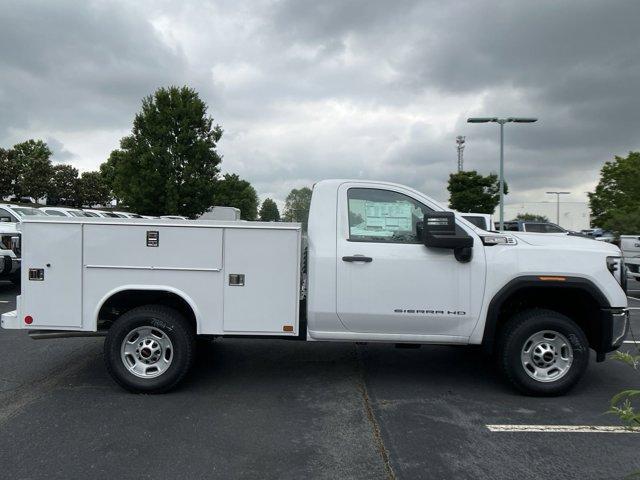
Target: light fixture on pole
pixel 557 194
pixel 501 122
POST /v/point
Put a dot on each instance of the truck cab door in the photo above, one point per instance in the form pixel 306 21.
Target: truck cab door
pixel 388 282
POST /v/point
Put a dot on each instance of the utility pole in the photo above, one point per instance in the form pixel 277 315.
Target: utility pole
pixel 460 147
pixel 557 194
pixel 501 122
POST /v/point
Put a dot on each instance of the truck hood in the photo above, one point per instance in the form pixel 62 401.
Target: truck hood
pixel 563 240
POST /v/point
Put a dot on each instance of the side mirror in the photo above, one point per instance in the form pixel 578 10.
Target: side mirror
pixel 5 219
pixel 439 231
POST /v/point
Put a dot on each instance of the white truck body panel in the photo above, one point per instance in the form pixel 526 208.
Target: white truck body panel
pixel 394 284
pixel 87 260
pixel 58 245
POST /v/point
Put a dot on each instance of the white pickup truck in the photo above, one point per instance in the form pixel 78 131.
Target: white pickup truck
pixel 9 252
pixel 630 246
pixel 384 263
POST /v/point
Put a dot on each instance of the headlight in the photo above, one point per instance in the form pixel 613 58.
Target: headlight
pixel 618 269
pixel 498 240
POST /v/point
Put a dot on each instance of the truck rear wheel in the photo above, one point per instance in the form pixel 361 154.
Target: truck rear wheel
pixel 149 349
pixel 542 352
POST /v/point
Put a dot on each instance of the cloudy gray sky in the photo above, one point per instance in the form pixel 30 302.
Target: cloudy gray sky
pixel 308 89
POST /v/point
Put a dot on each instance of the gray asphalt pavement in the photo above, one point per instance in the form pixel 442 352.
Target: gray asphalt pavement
pixel 282 409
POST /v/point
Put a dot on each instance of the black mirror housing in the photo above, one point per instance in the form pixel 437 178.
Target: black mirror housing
pixel 439 231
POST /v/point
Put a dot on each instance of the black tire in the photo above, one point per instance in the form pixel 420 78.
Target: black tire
pixel 15 278
pixel 161 320
pixel 514 340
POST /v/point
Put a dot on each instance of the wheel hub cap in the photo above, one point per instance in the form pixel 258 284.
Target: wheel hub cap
pixel 547 356
pixel 146 352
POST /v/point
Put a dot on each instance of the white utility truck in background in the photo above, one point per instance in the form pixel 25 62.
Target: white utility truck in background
pixel 221 213
pixel 384 263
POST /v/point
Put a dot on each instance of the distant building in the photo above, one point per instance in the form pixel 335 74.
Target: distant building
pixel 573 215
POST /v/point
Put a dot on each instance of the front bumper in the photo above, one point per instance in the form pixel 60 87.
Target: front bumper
pixel 614 324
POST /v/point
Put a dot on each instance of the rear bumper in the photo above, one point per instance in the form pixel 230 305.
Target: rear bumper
pixel 9 320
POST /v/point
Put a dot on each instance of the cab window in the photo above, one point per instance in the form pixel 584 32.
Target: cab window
pixel 383 216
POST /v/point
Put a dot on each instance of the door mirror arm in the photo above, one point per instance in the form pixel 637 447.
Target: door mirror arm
pixel 463 254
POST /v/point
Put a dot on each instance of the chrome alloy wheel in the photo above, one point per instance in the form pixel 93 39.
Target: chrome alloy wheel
pixel 547 356
pixel 146 352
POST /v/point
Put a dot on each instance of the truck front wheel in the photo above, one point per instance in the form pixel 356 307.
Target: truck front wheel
pixel 543 352
pixel 149 349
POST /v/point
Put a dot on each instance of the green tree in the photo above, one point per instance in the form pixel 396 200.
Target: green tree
pixel 93 189
pixel 296 207
pixel 169 163
pixel 8 173
pixel 108 172
pixel 472 192
pixel 615 204
pixel 63 187
pixel 33 168
pixel 531 217
pixel 269 211
pixel 232 191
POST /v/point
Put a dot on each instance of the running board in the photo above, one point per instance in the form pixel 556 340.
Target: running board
pixel 48 334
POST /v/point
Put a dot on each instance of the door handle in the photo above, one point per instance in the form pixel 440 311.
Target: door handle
pixel 357 258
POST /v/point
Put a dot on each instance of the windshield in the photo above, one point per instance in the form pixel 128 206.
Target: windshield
pixel 29 212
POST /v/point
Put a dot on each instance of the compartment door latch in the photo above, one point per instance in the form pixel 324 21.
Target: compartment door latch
pixel 36 274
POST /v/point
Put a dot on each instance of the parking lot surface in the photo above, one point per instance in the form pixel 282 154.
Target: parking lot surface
pixel 283 409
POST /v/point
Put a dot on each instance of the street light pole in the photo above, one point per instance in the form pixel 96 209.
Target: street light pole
pixel 501 175
pixel 501 122
pixel 557 194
